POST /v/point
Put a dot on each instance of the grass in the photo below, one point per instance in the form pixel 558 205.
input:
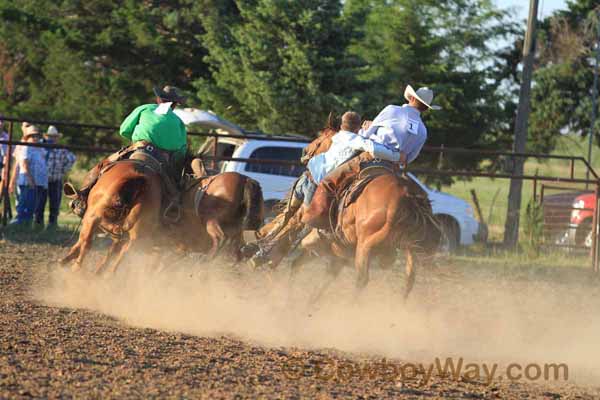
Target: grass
pixel 493 193
pixel 62 235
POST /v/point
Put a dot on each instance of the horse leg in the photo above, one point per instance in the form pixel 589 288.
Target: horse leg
pixel 72 254
pixel 233 245
pixel 334 267
pixel 114 247
pixel 410 273
pixel 124 248
pixel 362 263
pixel 296 264
pixel 132 226
pixel 84 243
pixel 217 236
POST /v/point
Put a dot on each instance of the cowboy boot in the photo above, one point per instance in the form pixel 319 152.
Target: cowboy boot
pixel 262 256
pixel 296 237
pixel 78 203
pixel 275 250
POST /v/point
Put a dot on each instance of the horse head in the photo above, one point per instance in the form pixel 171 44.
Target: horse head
pixel 323 141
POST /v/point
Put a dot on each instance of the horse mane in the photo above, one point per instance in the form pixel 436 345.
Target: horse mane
pixel 333 122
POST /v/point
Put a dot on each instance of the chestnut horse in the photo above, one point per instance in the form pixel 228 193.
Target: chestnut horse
pixel 216 211
pixel 390 213
pixel 126 203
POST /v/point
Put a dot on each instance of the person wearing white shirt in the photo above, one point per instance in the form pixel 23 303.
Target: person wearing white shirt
pixel 397 134
pixel 344 145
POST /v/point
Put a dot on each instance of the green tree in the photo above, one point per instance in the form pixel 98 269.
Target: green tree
pixel 562 94
pixel 276 65
pixel 452 47
pixel 94 61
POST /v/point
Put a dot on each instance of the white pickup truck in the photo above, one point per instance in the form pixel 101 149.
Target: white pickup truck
pixel 455 214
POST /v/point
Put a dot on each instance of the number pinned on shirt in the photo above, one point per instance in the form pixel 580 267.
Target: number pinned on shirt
pixel 413 126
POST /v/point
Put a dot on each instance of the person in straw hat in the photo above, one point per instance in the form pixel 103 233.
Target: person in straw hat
pixel 153 128
pixel 58 162
pixel 30 175
pixel 399 129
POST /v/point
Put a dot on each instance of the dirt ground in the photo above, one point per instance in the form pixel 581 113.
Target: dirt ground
pixel 72 337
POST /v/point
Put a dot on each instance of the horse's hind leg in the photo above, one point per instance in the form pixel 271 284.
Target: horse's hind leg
pixel 115 264
pixel 81 248
pixel 334 267
pixel 362 263
pixel 140 224
pixel 410 273
pixel 114 247
pixel 217 236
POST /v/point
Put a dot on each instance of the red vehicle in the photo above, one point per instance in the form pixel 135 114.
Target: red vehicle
pixel 580 232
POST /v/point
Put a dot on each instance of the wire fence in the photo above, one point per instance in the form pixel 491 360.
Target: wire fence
pixel 548 215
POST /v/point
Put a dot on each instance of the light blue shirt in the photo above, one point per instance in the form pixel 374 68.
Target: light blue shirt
pixel 36 161
pixel 400 129
pixel 3 147
pixel 344 145
pixel 340 151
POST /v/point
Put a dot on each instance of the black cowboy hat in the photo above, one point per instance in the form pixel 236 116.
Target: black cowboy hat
pixel 169 93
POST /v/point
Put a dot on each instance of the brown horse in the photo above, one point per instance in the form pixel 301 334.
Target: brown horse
pixel 126 203
pixel 216 211
pixel 390 213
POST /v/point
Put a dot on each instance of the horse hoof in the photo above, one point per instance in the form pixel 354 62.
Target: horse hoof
pixel 75 267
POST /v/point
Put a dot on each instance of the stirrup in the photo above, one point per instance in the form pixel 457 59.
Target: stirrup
pixel 70 191
pixel 167 214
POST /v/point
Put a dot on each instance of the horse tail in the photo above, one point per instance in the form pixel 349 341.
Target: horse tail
pixel 253 205
pixel 415 212
pixel 125 197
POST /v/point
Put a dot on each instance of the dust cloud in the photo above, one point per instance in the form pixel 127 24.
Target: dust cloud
pixel 453 312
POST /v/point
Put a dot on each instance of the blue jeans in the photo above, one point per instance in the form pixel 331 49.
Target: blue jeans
pixel 53 195
pixel 305 189
pixel 26 203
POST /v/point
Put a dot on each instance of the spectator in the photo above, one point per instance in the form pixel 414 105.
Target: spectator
pixel 30 175
pixel 3 149
pixel 58 162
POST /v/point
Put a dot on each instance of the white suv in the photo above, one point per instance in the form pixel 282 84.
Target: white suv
pixel 455 214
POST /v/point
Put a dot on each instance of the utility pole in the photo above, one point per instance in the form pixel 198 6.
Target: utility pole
pixel 594 95
pixel 511 227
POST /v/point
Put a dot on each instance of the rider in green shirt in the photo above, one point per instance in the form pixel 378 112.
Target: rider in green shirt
pixel 148 125
pixel 165 131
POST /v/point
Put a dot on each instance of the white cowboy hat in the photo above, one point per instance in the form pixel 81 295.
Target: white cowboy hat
pixel 424 95
pixel 52 131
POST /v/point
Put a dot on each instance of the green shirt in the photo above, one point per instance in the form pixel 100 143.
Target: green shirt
pixel 165 131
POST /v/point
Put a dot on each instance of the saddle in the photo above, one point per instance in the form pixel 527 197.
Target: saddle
pixel 353 189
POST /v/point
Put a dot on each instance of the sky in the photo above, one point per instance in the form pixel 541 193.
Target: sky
pixel 546 7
